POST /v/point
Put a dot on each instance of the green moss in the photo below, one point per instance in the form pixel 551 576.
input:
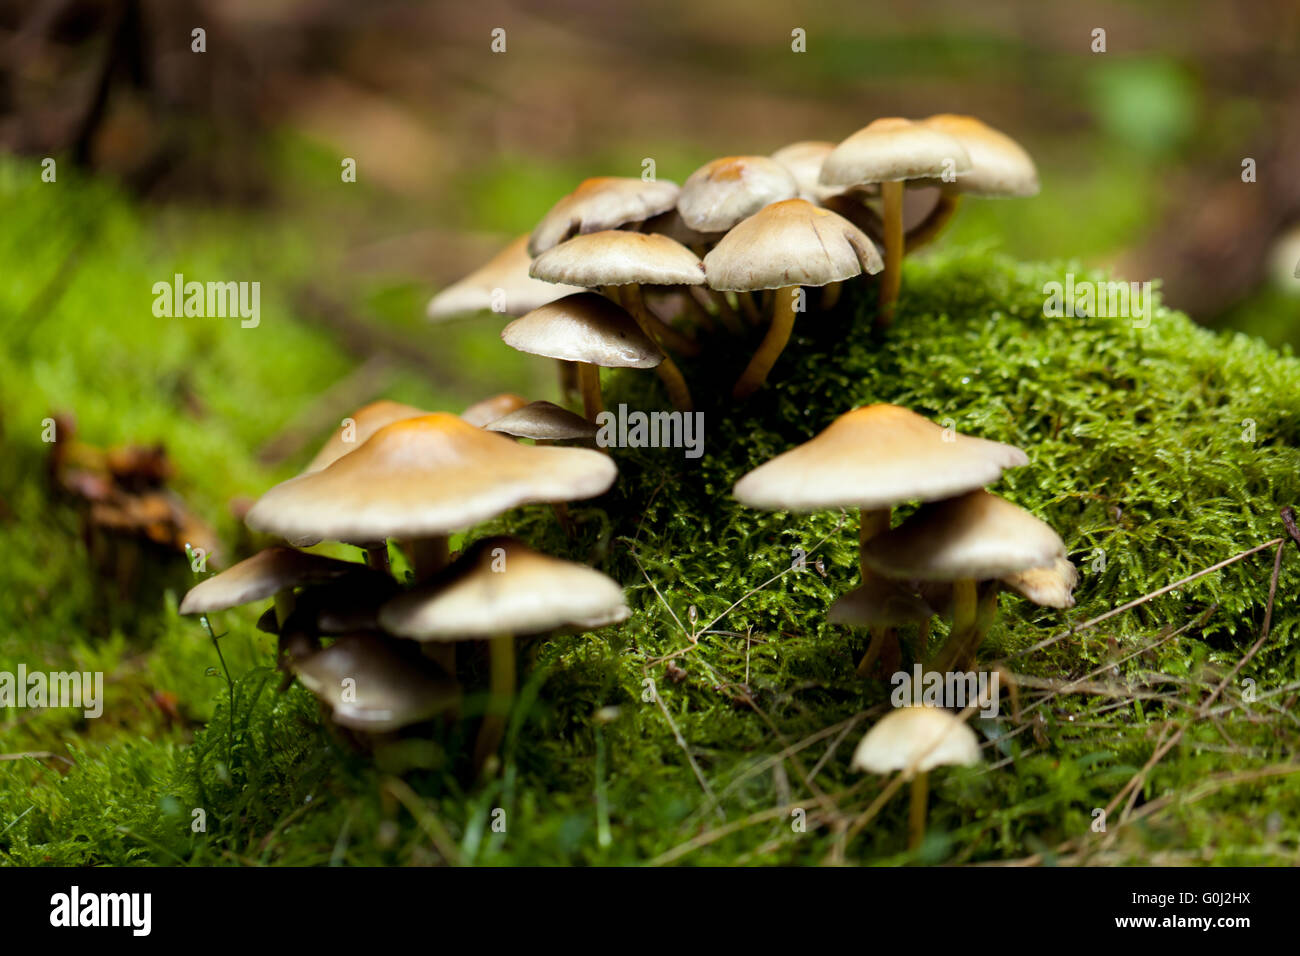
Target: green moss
pixel 1137 453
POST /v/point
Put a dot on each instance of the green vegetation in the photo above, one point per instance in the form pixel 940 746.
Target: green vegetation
pixel 1138 458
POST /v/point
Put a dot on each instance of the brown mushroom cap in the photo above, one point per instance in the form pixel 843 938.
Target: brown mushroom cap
pixel 391 688
pixel 672 225
pixel 365 422
pixel 262 576
pixel 974 537
pixel 616 257
pixel 584 327
pixel 502 586
pixel 507 272
pixel 905 734
pixel 724 191
pixel 1051 586
pixel 1000 167
pixel 604 202
pixel 790 243
pixel 876 456
pixel 892 149
pixel 490 409
pixel 878 603
pixel 426 477
pixel 544 421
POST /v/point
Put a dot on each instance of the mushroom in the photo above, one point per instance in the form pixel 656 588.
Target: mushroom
pixel 804 161
pixel 889 151
pixel 915 740
pixel 359 426
pixel 490 409
pixel 1000 169
pixel 881 606
pixel 1051 586
pixel 421 480
pixel 784 246
pixel 967 539
pixel 500 285
pixel 544 422
pixel 497 589
pixel 274 572
pixel 604 202
pixel 873 458
pixel 588 329
pixel 626 261
pixel 371 684
pixel 724 191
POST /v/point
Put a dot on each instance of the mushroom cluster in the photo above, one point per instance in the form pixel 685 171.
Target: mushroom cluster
pixel 411 478
pixel 731 252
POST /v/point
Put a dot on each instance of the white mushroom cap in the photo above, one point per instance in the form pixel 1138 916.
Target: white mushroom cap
pixel 929 736
pixel 790 243
pixel 1051 586
pixel 975 536
pixel 804 161
pixel 389 688
pixel 426 477
pixel 604 202
pixel 584 327
pixel 876 456
pixel 502 586
pixel 878 603
pixel 1000 167
pixel 616 257
pixel 892 149
pixel 543 421
pixel 724 191
pixel 490 409
pixel 262 576
pixel 361 424
pixel 503 284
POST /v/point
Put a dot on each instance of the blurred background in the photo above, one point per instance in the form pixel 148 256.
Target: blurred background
pixel 460 148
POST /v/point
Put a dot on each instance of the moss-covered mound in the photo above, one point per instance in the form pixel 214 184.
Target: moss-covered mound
pixel 1155 452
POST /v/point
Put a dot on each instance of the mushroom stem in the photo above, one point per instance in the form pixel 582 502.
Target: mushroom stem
pixel 892 278
pixel 778 334
pixel 879 637
pixel 661 332
pixel 928 229
pixel 965 611
pixel 871 522
pixel 568 379
pixel 589 385
pixel 678 391
pixel 750 308
pixel 917 809
pixel 377 556
pixel 695 311
pixel 831 295
pixel 726 313
pixel 428 556
pixel 501 684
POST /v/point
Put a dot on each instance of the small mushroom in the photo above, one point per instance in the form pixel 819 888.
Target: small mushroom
pixel 372 684
pixel 890 151
pixel 804 161
pixel 274 572
pixel 784 246
pixel 915 740
pixel 490 409
pixel 497 589
pixel 967 539
pixel 1052 586
pixel 421 480
pixel 725 191
pixel 588 329
pixel 625 261
pixel 544 422
pixel 358 427
pixel 600 203
pixel 1000 169
pixel 500 285
pixel 882 606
